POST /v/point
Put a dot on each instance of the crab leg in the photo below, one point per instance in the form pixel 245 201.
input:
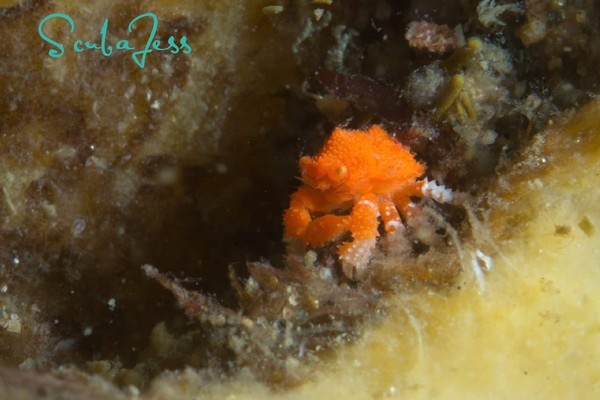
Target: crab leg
pixel 389 214
pixel 355 255
pixel 439 193
pixel 299 224
pixel 325 229
pixel 402 198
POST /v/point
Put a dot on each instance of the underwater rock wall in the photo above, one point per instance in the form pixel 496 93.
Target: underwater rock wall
pixel 186 163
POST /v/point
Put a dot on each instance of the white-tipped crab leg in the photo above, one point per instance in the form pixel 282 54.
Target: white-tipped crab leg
pixel 390 216
pixel 439 193
pixel 364 221
pixel 355 256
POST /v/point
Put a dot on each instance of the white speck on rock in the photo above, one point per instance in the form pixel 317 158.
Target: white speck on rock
pixel 78 227
pixel 112 303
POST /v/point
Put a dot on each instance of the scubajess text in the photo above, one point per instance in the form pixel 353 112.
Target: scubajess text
pixel 139 55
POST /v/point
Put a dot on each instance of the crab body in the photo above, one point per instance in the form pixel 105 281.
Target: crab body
pixel 358 178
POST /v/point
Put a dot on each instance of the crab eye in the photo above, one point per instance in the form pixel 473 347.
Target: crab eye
pixel 341 170
pixel 338 172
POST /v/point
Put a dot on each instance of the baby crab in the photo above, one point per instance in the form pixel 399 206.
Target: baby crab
pixel 357 177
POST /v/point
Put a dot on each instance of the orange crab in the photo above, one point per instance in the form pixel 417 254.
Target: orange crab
pixel 358 177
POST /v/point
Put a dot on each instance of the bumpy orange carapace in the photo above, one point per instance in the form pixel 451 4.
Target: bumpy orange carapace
pixel 356 179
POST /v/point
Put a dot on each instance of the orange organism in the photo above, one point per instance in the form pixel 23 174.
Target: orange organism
pixel 358 177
